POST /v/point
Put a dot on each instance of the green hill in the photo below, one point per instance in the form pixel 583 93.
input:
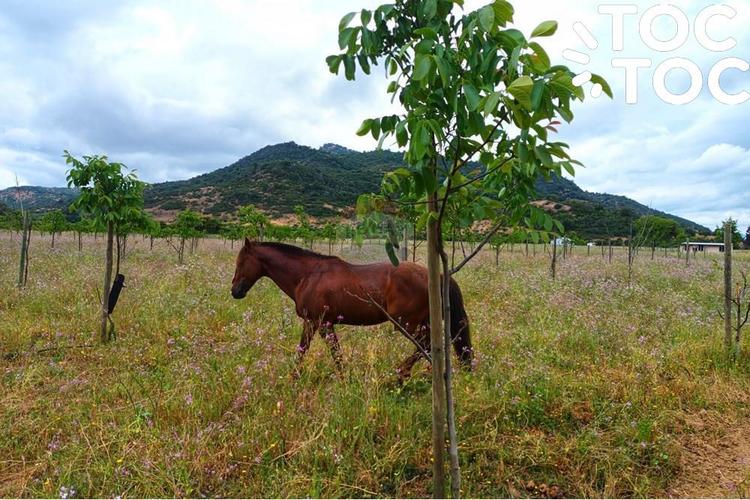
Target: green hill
pixel 327 182
pixel 37 198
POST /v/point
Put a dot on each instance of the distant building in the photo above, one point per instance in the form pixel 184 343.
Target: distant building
pixel 702 246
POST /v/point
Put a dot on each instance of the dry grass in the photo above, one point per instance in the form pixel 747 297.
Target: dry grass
pixel 584 387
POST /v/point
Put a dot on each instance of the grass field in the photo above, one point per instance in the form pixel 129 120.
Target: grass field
pixel 584 386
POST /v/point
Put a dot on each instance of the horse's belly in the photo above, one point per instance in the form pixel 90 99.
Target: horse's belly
pixel 337 308
pixel 361 315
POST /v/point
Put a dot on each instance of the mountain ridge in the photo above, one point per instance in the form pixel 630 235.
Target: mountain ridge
pixel 327 182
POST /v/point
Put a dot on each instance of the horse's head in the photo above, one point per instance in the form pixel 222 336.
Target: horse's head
pixel 248 270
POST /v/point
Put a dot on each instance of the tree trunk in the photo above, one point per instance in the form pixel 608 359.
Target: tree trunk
pixel 728 288
pixel 103 335
pixel 455 466
pixel 437 353
pixel 118 244
pixel 53 239
pixel 414 245
pixel 405 245
pixel 181 252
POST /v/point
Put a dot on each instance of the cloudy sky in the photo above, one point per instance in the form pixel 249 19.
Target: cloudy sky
pixel 177 88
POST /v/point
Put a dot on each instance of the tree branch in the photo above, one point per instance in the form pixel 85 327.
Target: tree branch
pixel 479 247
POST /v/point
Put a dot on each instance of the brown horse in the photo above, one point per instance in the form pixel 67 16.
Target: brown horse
pixel 328 291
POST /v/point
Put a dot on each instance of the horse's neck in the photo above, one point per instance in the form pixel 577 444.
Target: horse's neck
pixel 284 270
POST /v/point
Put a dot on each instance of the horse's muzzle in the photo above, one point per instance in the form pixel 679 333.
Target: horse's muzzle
pixel 239 291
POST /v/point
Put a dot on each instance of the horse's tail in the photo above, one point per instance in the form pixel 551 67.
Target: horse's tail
pixel 460 327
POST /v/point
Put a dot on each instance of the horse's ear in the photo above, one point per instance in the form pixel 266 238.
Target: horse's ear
pixel 248 244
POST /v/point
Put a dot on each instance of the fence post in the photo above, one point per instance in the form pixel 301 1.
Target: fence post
pixel 728 287
pixel 23 270
pixel 554 258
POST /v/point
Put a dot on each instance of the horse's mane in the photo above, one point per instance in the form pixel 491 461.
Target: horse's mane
pixel 295 251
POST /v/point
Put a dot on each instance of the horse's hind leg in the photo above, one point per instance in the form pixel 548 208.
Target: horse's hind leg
pixel 328 334
pixel 420 335
pixel 308 332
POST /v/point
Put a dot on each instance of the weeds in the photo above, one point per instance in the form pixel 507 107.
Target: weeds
pixel 579 388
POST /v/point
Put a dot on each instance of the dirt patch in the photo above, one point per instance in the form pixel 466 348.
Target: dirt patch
pixel 715 458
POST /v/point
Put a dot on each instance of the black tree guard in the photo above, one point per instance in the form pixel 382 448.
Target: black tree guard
pixel 114 295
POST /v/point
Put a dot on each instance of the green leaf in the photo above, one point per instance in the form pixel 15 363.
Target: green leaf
pixel 490 106
pixel 346 20
pixel 503 12
pixel 472 96
pixel 422 66
pixel 536 94
pixel 427 33
pixel 334 62
pixel 364 63
pixel 364 129
pixel 402 135
pixel 444 71
pixel 544 156
pixel 569 168
pixel 345 37
pixel 366 16
pixel 430 182
pixel 375 129
pixel 521 89
pixel 541 56
pixel 420 141
pixel 429 9
pixel 349 68
pixel 547 28
pixel 487 18
pixel 605 86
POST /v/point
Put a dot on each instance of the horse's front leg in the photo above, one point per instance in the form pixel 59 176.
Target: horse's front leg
pixel 329 335
pixel 308 332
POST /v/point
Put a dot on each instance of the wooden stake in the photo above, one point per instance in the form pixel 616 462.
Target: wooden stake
pixel 728 287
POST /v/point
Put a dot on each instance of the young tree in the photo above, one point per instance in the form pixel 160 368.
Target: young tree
pixel 253 221
pixel 109 195
pixel 747 238
pixel 53 222
pixel 232 232
pixel 736 235
pixel 329 233
pixel 304 229
pixel 187 226
pixel 140 222
pixel 81 226
pixel 469 87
